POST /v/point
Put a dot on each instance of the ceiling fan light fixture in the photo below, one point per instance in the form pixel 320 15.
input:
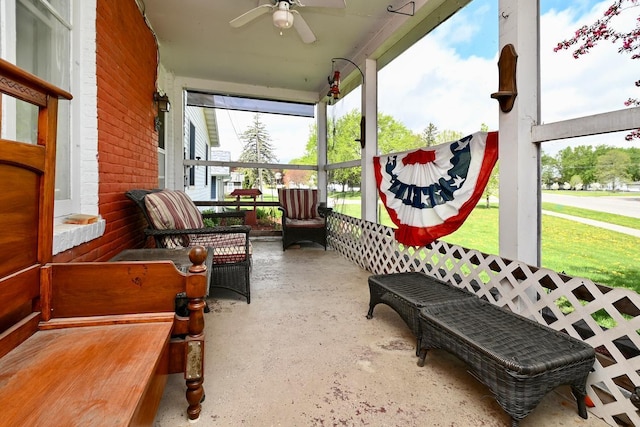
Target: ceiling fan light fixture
pixel 282 19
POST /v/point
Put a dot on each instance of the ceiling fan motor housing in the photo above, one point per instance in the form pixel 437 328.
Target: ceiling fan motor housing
pixel 283 18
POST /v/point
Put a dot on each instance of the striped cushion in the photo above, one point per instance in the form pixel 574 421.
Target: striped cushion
pixel 299 203
pixel 173 210
pixel 191 215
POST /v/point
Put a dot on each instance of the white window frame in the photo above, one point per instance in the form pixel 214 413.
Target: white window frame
pixel 83 121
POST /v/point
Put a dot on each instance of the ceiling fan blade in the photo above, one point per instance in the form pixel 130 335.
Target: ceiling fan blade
pixel 249 16
pixel 303 29
pixel 337 4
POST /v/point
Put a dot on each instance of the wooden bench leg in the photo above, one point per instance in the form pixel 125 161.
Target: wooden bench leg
pixel 194 368
pixel 195 395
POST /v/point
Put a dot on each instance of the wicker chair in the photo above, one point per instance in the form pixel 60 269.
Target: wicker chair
pixel 174 221
pixel 302 218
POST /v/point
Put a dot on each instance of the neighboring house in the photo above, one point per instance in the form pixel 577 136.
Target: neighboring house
pixel 220 175
pixel 235 182
pixel 634 186
pixel 199 128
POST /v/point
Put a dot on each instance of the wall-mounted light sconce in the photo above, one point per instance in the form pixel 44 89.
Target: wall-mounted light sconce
pixel 162 101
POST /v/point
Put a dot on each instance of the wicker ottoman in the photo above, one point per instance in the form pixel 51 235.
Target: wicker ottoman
pixel 406 293
pixel 518 359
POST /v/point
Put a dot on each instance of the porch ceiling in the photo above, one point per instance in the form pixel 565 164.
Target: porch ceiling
pixel 197 42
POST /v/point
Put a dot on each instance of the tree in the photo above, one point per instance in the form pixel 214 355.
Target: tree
pixel 493 184
pixel 588 36
pixel 549 172
pixel 257 149
pixel 634 167
pixel 448 136
pixel 576 182
pixel 342 144
pixel 580 161
pixel 294 178
pixel 394 136
pixel 612 167
pixel 428 135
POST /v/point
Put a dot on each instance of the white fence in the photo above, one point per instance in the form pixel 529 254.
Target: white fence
pixel 530 291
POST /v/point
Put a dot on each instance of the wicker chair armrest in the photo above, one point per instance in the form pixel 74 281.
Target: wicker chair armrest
pixel 324 211
pixel 284 216
pixel 212 230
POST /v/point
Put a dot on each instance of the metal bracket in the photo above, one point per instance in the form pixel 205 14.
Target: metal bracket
pixel 413 9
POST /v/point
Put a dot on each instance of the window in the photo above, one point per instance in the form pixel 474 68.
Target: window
pixel 55 40
pixel 43 47
pixel 192 153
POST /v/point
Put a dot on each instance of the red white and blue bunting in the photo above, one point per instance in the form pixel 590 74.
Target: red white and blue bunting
pixel 430 192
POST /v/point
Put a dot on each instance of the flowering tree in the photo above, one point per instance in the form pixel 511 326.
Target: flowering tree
pixel 586 37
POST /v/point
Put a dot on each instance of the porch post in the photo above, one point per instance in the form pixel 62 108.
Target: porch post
pixel 322 150
pixel 369 110
pixel 520 158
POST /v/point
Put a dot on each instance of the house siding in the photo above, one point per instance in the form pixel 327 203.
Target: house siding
pixel 201 188
pixel 126 66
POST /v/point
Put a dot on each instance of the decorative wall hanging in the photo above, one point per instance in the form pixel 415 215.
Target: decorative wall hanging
pixel 507 85
pixel 430 192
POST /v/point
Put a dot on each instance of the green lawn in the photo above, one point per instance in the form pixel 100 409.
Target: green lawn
pixel 604 256
pixel 622 220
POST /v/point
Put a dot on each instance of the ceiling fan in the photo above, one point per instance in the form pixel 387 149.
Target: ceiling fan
pixel 285 16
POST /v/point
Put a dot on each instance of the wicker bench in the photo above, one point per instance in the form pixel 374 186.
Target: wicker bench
pixel 518 359
pixel 407 293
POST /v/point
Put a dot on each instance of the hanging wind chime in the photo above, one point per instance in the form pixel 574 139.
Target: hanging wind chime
pixel 334 85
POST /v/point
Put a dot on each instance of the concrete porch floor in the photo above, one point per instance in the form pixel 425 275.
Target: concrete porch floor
pixel 304 354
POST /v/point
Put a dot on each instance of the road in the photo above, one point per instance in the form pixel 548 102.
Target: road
pixel 627 206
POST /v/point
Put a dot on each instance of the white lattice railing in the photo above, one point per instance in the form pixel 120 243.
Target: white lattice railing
pixel 530 291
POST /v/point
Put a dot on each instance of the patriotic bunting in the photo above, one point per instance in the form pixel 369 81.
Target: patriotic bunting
pixel 430 192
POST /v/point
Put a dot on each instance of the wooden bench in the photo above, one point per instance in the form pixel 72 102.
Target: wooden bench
pixel 91 343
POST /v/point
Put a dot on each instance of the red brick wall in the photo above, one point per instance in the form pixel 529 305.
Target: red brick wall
pixel 127 141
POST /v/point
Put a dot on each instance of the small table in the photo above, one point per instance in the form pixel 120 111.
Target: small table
pixel 251 216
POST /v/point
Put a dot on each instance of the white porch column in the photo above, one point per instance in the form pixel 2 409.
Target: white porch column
pixel 519 157
pixel 321 123
pixel 370 112
pixel 175 137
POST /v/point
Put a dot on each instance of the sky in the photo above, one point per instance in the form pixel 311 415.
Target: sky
pixel 447 78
